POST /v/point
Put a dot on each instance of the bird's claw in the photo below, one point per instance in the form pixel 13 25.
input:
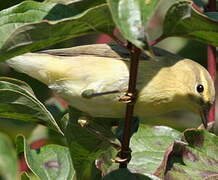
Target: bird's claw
pixel 128 98
pixel 83 121
pixel 119 159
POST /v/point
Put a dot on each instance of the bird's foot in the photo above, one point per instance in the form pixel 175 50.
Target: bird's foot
pixel 129 98
pixel 119 159
pixel 83 121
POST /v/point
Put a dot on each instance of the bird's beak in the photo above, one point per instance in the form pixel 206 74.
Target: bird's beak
pixel 204 114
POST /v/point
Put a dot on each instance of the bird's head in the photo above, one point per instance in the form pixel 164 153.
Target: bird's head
pixel 199 87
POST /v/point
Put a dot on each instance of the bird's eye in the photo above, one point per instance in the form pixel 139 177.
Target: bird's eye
pixel 200 88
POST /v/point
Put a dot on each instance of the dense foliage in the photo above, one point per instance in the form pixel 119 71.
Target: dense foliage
pixel 157 152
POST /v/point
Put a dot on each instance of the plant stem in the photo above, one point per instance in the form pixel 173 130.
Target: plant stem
pixel 156 41
pixel 211 61
pixel 124 154
pixel 212 5
pixel 211 66
pixel 196 8
pixel 121 43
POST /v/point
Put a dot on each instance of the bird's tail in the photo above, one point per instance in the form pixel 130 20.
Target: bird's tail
pixel 31 64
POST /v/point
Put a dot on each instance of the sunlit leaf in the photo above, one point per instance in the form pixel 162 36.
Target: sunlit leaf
pixel 183 20
pixel 197 159
pixel 132 17
pixel 8 159
pixel 49 162
pixel 17 101
pixel 148 146
pixel 32 25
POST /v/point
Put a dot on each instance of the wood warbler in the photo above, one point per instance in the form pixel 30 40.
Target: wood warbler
pixel 93 79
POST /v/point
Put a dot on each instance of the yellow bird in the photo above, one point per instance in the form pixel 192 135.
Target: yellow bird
pixel 93 79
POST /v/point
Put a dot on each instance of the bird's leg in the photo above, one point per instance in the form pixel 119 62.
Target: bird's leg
pixel 83 121
pixel 119 135
pixel 90 93
pixel 126 98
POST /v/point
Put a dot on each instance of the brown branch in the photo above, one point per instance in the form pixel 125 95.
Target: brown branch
pixel 125 150
pixel 211 60
pixel 196 8
pixel 118 41
pixel 211 66
pixel 156 41
pixel 211 6
pixel 84 124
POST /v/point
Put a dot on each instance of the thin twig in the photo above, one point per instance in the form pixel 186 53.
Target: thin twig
pixel 211 6
pixel 84 124
pixel 211 65
pixel 125 151
pixel 156 41
pixel 196 8
pixel 211 60
pixel 118 41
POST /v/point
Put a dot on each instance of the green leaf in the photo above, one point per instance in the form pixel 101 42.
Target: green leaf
pixel 9 3
pixel 31 25
pixel 25 176
pixel 201 3
pixel 19 83
pixel 8 159
pixel 148 146
pixel 86 147
pixel 132 17
pixel 60 1
pixel 17 101
pixel 29 176
pixel 197 160
pixel 80 5
pixel 203 141
pixel 212 15
pixel 127 175
pixel 183 20
pixel 49 162
pixel 83 5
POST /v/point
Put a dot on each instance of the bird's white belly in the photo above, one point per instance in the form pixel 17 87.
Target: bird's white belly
pixel 100 106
